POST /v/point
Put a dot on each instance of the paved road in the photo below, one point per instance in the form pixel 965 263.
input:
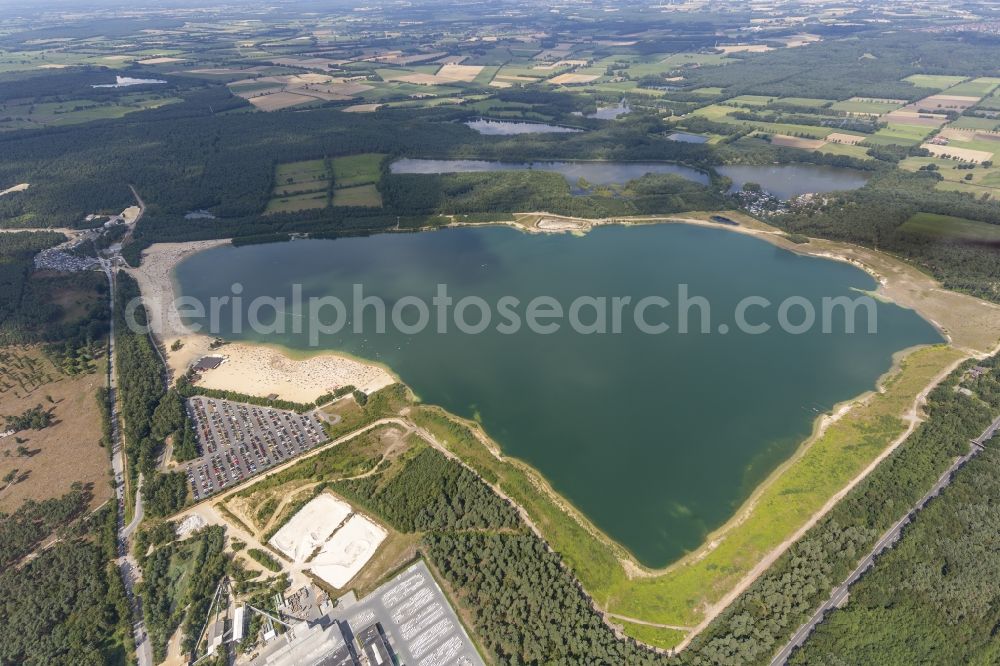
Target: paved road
pixel 127 565
pixel 884 543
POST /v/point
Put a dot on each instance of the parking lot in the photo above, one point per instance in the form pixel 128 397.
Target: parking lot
pixel 238 440
pixel 416 620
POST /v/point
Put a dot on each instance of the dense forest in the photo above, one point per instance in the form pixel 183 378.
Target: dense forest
pixel 870 66
pixel 933 598
pixel 140 381
pixel 28 526
pixel 67 606
pixel 431 493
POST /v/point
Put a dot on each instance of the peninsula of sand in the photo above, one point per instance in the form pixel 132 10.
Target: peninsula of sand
pixel 250 368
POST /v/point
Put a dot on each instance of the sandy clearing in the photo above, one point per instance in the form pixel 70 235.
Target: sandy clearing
pixel 21 187
pixel 573 79
pixel 310 527
pixel 347 552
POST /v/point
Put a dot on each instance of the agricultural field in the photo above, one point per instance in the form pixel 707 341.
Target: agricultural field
pixel 899 134
pixel 934 81
pixel 44 463
pixel 951 228
pixel 308 185
pixel 867 106
pixel 975 87
pixel 300 186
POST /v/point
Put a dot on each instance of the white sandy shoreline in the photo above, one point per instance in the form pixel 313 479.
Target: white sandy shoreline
pixel 254 369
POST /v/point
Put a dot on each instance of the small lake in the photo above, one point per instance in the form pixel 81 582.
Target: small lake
pixel 125 82
pixel 607 112
pixel 790 180
pixel 658 439
pixel 687 137
pixel 512 127
pixel 596 173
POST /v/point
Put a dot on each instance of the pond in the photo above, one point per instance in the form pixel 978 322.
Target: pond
pixel 790 180
pixel 512 127
pixel 595 173
pixel 687 137
pixel 657 438
pixel 125 82
pixel 607 112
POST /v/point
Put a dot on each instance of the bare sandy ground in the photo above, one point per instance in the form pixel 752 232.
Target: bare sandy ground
pixel 253 369
pixel 20 187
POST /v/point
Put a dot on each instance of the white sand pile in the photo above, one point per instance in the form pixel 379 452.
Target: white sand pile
pixel 310 527
pixel 347 552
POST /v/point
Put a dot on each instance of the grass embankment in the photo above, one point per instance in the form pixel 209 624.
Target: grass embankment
pixel 681 594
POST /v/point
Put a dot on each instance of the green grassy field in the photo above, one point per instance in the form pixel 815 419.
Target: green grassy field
pixel 299 186
pixel 806 101
pixel 297 202
pixel 688 59
pixel 899 134
pixel 991 103
pixel 976 87
pixel 354 170
pixel 680 594
pixel 857 152
pixel 936 81
pixel 970 122
pixel 359 195
pixel 865 106
pixel 660 637
pixel 946 226
pixel 750 100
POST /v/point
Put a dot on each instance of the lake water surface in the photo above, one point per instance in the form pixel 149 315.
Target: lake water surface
pixel 511 127
pixel 789 180
pixel 596 173
pixel 657 438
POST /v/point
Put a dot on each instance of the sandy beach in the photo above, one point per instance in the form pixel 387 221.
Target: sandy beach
pixel 255 369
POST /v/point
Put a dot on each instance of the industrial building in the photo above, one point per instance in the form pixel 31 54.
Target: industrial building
pixel 406 621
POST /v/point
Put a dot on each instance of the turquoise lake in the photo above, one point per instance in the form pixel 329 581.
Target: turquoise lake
pixel 658 439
